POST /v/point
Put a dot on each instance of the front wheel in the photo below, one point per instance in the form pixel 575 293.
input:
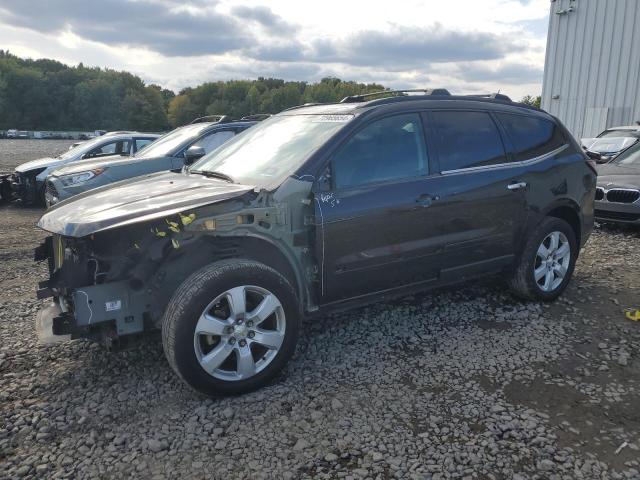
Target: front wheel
pixel 231 327
pixel 547 261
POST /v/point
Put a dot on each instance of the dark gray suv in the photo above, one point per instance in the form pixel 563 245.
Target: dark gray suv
pixel 319 208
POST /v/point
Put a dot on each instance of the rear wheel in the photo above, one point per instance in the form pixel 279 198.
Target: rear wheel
pixel 547 261
pixel 231 327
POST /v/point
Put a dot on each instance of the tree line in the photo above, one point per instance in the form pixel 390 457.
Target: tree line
pixel 49 95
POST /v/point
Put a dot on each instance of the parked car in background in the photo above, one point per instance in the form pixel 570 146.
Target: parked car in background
pixel 28 179
pixel 318 208
pixel 170 152
pixel 612 141
pixel 618 191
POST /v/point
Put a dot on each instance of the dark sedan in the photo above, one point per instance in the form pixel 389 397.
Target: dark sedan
pixel 618 192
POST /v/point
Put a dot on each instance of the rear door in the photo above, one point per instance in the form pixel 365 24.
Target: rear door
pixel 483 192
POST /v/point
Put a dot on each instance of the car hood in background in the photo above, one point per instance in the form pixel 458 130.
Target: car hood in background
pixel 608 145
pixel 39 163
pixel 136 200
pixel 612 174
pixel 93 163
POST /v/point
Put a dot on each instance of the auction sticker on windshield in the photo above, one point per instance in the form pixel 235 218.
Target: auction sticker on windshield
pixel 332 118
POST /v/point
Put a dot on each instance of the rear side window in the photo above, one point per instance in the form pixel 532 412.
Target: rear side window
pixel 118 147
pixel 142 142
pixel 467 139
pixel 531 136
pixel 387 149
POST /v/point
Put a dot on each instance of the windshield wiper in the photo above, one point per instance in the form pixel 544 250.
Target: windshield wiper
pixel 208 174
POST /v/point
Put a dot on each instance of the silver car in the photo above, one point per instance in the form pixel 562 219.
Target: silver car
pixel 612 141
pixel 170 152
pixel 618 191
pixel 28 179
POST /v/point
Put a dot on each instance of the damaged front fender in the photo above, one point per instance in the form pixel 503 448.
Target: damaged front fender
pixel 135 201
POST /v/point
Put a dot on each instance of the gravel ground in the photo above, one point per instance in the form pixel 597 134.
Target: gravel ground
pixel 460 383
pixel 15 152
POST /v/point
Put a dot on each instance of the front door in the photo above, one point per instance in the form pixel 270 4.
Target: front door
pixel 373 222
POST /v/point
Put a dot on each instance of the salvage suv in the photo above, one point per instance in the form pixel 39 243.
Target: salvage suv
pixel 320 207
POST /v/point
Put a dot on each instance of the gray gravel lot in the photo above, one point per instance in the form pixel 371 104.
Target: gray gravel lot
pixel 460 383
pixel 15 152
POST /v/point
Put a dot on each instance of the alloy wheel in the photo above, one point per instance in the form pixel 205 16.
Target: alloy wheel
pixel 553 258
pixel 239 333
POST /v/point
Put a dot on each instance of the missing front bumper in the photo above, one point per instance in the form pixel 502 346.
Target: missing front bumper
pixel 48 325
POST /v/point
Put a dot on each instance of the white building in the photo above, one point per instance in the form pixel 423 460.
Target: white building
pixel 592 67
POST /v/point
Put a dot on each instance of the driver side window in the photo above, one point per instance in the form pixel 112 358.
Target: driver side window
pixel 119 147
pixel 213 141
pixel 386 149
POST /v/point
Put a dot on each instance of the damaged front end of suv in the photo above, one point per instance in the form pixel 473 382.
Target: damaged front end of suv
pixel 112 276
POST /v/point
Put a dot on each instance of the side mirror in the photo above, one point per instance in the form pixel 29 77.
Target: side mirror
pixel 192 154
pixel 594 155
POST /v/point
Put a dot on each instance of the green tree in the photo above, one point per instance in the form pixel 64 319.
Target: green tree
pixel 181 111
pixel 530 100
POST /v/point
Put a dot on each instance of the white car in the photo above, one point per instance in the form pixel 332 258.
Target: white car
pixel 612 141
pixel 28 179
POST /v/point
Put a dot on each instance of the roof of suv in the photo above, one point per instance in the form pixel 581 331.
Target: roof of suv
pixel 359 103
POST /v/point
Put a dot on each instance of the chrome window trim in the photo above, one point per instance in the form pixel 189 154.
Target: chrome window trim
pixel 499 166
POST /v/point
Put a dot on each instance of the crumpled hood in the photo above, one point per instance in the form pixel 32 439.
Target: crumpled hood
pixel 39 163
pixel 611 174
pixel 136 200
pixel 93 163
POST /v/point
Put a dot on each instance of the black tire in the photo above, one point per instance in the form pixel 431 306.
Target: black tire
pixel 42 198
pixel 192 298
pixel 522 281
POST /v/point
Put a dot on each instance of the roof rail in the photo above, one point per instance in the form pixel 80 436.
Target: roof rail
pixel 301 106
pixel 495 96
pixel 257 117
pixel 210 118
pixel 425 91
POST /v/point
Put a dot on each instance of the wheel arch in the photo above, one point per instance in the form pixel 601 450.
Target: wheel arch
pixel 564 209
pixel 568 211
pixel 189 258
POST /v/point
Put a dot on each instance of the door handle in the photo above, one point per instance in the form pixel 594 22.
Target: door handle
pixel 426 200
pixel 517 185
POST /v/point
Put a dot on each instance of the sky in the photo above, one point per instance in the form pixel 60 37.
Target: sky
pixel 466 46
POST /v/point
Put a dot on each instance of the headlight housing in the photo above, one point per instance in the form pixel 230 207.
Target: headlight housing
pixel 80 177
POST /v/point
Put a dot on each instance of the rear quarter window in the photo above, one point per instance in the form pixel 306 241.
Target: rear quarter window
pixel 531 136
pixel 467 139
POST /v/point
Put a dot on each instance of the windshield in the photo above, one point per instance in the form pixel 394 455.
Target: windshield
pixel 264 155
pixel 169 142
pixel 610 144
pixel 83 148
pixel 629 157
pixel 618 133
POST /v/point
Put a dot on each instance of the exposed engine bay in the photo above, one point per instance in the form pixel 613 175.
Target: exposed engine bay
pixel 117 282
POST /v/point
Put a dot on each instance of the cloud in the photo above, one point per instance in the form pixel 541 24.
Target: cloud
pixel 415 47
pixel 162 26
pixel 273 23
pixel 506 73
pixel 180 43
